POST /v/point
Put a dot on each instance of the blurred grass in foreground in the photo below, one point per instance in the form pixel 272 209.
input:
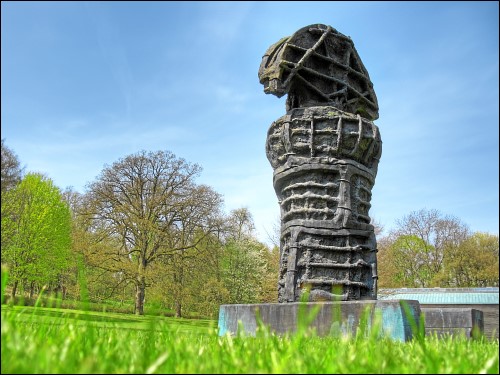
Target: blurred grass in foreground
pixel 50 340
pixel 35 340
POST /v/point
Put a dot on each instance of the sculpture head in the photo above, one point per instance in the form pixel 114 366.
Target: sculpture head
pixel 318 66
pixel 270 73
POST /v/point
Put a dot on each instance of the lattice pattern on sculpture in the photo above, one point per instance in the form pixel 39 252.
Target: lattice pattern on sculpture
pixel 317 65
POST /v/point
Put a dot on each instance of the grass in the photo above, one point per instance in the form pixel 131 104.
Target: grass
pixel 43 340
pixel 38 340
pixel 125 307
pixel 58 316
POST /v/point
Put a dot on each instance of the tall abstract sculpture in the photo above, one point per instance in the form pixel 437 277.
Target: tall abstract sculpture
pixel 325 153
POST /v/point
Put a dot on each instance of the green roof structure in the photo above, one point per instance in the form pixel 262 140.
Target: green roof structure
pixel 450 296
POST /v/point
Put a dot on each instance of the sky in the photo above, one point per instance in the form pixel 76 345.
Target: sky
pixel 84 84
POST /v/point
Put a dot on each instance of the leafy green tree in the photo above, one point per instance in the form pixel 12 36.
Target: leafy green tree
pixel 411 257
pixel 150 205
pixel 269 292
pixel 243 269
pixel 428 249
pixel 97 271
pixel 36 232
pixel 416 248
pixel 243 262
pixel 203 290
pixel 436 232
pixel 387 270
pixel 227 266
pixel 474 263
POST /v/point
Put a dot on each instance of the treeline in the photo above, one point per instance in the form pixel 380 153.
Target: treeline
pixel 428 249
pixel 144 230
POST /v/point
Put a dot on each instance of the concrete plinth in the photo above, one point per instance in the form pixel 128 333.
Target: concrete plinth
pixel 453 321
pixel 326 318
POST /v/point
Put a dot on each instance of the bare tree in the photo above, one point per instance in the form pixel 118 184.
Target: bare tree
pixel 241 223
pixel 11 169
pixel 149 202
pixel 436 232
pixel 275 235
pixel 378 227
pixel 419 244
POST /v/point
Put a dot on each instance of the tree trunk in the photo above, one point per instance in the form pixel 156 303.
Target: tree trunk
pixel 140 287
pixel 179 287
pixel 14 289
pixel 32 289
pixel 178 309
pixel 139 295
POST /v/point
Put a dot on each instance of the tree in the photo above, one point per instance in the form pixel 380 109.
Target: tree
pixel 275 235
pixel 190 281
pixel 412 258
pixel 269 292
pixel 243 270
pixel 436 232
pixel 243 261
pixel 474 263
pixel 90 247
pixel 11 170
pixel 378 227
pixel 418 246
pixel 386 268
pixel 428 249
pixel 148 202
pixel 241 224
pixel 10 177
pixel 36 232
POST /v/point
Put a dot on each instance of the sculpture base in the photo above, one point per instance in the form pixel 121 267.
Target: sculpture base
pixel 325 318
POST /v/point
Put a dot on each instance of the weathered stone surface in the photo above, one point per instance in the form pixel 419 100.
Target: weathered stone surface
pixel 330 318
pixel 325 153
pixel 318 65
pixel 453 321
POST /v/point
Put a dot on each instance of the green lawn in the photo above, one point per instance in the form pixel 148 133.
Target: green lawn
pixel 57 316
pixel 49 340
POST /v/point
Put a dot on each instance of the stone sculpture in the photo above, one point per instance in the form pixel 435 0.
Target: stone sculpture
pixel 325 153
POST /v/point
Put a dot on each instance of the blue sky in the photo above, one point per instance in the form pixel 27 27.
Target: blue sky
pixel 87 83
